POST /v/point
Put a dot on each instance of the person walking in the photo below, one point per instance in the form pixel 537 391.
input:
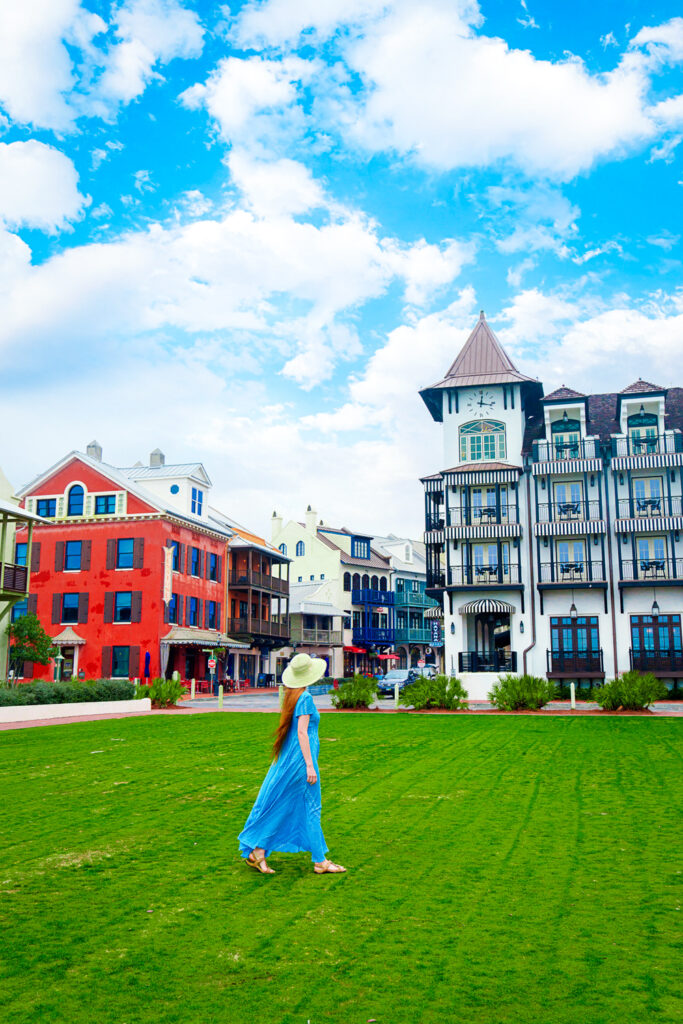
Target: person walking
pixel 286 815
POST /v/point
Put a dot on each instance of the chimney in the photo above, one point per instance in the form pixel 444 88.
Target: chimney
pixel 311 516
pixel 275 526
pixel 157 458
pixel 94 450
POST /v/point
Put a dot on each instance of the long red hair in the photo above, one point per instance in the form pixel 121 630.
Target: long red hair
pixel 286 715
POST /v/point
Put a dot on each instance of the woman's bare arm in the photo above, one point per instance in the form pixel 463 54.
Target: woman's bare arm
pixel 302 733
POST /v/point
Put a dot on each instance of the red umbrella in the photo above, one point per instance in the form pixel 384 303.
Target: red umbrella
pixel 394 657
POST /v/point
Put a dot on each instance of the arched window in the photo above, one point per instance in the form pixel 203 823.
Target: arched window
pixel 300 549
pixel 347 581
pixel 283 549
pixel 356 581
pixel 642 433
pixel 75 502
pixel 383 583
pixel 374 583
pixel 366 581
pixel 482 442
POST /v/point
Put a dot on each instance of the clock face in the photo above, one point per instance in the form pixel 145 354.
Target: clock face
pixel 481 402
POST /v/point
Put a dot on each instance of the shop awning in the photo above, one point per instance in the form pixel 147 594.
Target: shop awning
pixel 435 612
pixel 181 636
pixel 355 650
pixel 481 607
pixel 67 638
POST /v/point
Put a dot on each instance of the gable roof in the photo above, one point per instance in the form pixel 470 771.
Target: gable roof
pixel 563 393
pixel 481 361
pixel 193 470
pixel 640 387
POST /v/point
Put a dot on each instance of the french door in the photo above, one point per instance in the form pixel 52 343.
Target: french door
pixel 575 644
pixel 656 642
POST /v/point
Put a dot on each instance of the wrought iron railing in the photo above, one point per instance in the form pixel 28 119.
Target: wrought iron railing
pixel 579 662
pixel 367 596
pixel 652 569
pixel 570 572
pixel 434 521
pixel 436 579
pixel 568 511
pixel 483 575
pixel 14 577
pixel 660 444
pixel 482 515
pixel 494 661
pixel 656 661
pixel 558 451
pixel 646 508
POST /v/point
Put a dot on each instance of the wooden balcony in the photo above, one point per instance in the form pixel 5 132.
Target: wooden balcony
pixel 14 578
pixel 377 597
pixel 412 635
pixel 665 663
pixel 574 664
pixel 413 599
pixel 250 579
pixel 372 635
pixel 326 637
pixel 251 626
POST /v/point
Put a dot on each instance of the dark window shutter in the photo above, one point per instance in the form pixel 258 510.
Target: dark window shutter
pixel 202 559
pixel 106 662
pixel 109 606
pixel 207 563
pixel 134 663
pixel 219 624
pixel 32 605
pixel 35 556
pixel 136 606
pixel 200 604
pixel 188 562
pixel 179 616
pixel 59 556
pixel 138 552
pixel 86 553
pixel 83 602
pixel 56 608
pixel 206 611
pixel 27 670
pixel 219 568
pixel 181 558
pixel 111 558
pixel 166 615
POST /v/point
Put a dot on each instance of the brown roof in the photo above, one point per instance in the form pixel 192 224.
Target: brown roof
pixel 375 561
pixel 472 467
pixel 640 387
pixel 562 393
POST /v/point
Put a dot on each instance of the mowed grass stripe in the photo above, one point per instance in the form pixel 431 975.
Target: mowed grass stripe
pixel 510 869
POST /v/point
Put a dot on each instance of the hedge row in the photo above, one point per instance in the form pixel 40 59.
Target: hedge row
pixel 77 692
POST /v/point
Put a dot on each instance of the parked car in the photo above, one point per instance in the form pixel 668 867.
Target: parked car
pixel 402 676
pixel 428 671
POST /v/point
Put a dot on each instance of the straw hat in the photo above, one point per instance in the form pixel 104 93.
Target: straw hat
pixel 303 671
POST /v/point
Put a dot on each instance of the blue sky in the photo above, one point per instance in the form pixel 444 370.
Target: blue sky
pixel 248 233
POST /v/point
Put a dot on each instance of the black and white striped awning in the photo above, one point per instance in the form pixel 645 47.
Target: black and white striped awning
pixel 487 605
pixel 569 527
pixel 433 484
pixel 484 476
pixel 435 537
pixel 647 461
pixel 567 466
pixel 648 524
pixel 484 530
pixel 435 612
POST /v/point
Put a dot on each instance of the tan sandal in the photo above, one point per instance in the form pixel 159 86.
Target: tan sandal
pixel 256 862
pixel 330 868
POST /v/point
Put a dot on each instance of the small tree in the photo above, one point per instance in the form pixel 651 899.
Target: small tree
pixel 29 642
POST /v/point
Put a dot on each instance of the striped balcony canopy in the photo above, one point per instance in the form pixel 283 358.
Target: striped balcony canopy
pixel 435 612
pixel 487 605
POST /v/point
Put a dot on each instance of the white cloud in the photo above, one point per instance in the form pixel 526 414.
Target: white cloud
pixel 38 187
pixel 277 22
pixel 515 274
pixel 274 187
pixel 143 181
pixel 599 250
pixel 537 216
pixel 666 151
pixel 664 240
pixel 425 268
pixel 609 39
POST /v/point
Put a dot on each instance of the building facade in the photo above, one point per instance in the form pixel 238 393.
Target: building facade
pixel 553 538
pixel 14 561
pixel 418 636
pixel 130 571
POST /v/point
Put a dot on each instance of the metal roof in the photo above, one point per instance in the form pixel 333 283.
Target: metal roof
pixel 166 472
pixel 14 511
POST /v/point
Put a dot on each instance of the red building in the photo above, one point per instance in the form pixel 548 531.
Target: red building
pixel 129 573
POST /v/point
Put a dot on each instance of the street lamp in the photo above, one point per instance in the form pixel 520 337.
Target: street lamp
pixel 59 658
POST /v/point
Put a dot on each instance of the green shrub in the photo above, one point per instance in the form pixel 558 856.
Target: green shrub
pixel 359 692
pixel 73 692
pixel 630 692
pixel 440 692
pixel 512 693
pixel 163 693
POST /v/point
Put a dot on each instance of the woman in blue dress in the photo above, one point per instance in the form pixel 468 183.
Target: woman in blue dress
pixel 286 815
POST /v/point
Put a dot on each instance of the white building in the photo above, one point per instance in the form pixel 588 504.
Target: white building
pixel 553 538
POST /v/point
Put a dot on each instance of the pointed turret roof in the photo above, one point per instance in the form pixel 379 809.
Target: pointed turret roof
pixel 481 361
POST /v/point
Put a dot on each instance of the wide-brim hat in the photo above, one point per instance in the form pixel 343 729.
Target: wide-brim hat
pixel 303 670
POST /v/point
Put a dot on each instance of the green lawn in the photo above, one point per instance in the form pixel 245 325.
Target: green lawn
pixel 500 869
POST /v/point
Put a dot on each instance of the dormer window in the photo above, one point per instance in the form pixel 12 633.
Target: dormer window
pixel 566 436
pixel 482 442
pixel 75 501
pixel 360 548
pixel 642 433
pixel 197 501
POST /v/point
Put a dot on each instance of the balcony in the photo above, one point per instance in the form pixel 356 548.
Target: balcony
pixel 435 580
pixel 660 444
pixel 484 576
pixel 257 627
pixel 413 599
pixel 482 515
pixel 259 580
pixel 649 508
pixel 568 511
pixel 434 521
pixel 664 662
pixel 412 635
pixel 378 597
pixel 560 451
pixel 573 664
pixel 571 574
pixel 652 570
pixel 494 661
pixel 372 635
pixel 14 577
pixel 327 637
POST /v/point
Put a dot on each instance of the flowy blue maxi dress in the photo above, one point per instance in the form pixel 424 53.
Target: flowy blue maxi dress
pixel 286 815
